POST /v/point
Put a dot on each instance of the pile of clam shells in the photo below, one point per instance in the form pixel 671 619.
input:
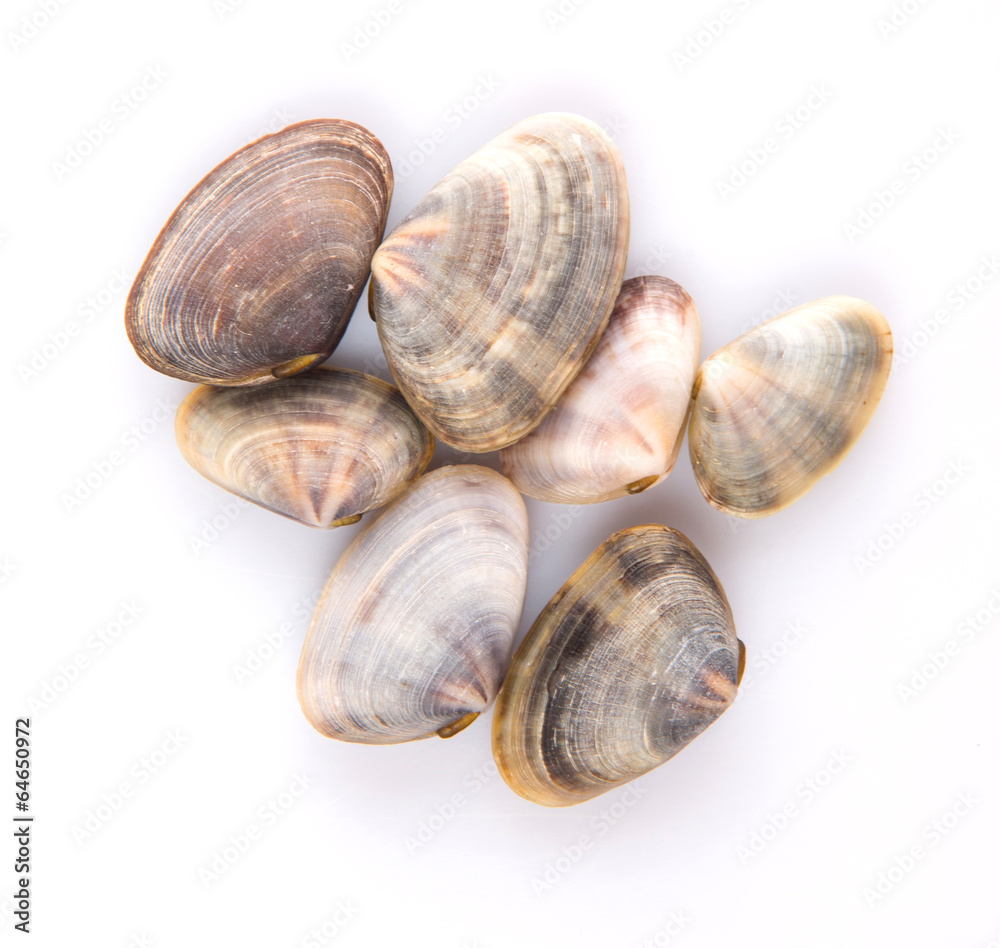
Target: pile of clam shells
pixel 501 308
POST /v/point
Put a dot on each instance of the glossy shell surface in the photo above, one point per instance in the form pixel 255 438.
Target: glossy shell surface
pixel 633 658
pixel 414 629
pixel 618 428
pixel 491 294
pixel 321 447
pixel 780 407
pixel 256 274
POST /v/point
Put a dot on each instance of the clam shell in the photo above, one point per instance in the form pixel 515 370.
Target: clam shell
pixel 633 658
pixel 491 294
pixel 782 405
pixel 413 632
pixel 257 272
pixel 618 428
pixel 321 447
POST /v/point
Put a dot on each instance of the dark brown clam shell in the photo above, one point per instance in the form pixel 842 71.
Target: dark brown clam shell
pixel 257 272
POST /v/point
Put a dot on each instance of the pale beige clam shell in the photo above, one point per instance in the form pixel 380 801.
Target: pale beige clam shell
pixel 321 447
pixel 491 294
pixel 413 633
pixel 257 272
pixel 780 407
pixel 618 428
pixel 633 658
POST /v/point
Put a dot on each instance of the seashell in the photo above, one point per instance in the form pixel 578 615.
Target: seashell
pixel 618 428
pixel 782 405
pixel 633 658
pixel 321 447
pixel 491 294
pixel 413 632
pixel 257 272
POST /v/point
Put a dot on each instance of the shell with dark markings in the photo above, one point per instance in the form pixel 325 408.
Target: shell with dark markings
pixel 321 447
pixel 781 406
pixel 618 428
pixel 413 632
pixel 633 658
pixel 257 272
pixel 491 294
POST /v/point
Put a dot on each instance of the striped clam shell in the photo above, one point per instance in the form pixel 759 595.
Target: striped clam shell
pixel 633 658
pixel 414 629
pixel 257 272
pixel 618 428
pixel 780 407
pixel 491 294
pixel 321 447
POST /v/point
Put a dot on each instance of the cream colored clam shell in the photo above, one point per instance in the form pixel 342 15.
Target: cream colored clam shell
pixel 413 632
pixel 633 658
pixel 781 406
pixel 618 428
pixel 257 272
pixel 321 447
pixel 491 294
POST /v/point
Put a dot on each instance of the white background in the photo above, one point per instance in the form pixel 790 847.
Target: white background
pixel 841 599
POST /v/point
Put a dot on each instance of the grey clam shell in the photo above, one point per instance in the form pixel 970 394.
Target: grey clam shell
pixel 780 407
pixel 633 658
pixel 321 447
pixel 491 294
pixel 257 272
pixel 414 629
pixel 618 428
